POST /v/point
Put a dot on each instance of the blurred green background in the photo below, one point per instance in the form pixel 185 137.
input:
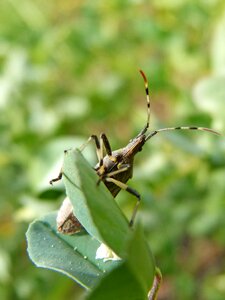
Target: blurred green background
pixel 69 69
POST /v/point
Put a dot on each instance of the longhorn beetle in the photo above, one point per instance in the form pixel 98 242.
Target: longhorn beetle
pixel 115 168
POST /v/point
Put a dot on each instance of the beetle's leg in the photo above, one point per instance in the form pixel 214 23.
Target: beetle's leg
pixel 104 144
pixel 125 187
pixel 104 141
pixel 94 138
pixel 122 168
pixel 59 177
pixel 97 144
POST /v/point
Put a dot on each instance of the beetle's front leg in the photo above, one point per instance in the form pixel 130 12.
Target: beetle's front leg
pixel 99 151
pixel 59 177
pixel 121 168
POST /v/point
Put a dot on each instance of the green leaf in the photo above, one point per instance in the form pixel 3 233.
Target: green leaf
pixel 121 283
pixel 73 256
pixel 140 259
pixel 133 278
pixel 93 204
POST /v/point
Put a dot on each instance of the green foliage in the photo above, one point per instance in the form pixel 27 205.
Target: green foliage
pixel 74 255
pixel 64 254
pixel 68 69
pixel 133 278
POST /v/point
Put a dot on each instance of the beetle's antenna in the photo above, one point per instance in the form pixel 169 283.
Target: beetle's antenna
pixel 148 103
pixel 150 135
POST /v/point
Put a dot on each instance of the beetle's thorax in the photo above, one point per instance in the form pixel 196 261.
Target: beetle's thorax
pixel 123 156
pixel 135 145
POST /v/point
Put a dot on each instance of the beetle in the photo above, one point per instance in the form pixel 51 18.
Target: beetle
pixel 115 168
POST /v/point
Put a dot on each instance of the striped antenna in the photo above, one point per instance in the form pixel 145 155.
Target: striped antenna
pixel 150 135
pixel 148 103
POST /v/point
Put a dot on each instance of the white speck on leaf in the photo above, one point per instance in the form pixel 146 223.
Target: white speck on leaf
pixel 105 253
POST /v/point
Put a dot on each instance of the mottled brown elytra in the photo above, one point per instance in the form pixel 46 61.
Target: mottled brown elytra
pixel 115 168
